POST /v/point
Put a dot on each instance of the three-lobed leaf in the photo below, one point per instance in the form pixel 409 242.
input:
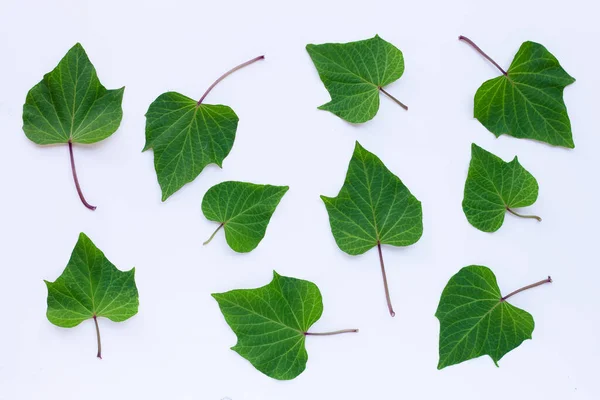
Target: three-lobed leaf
pixel 373 207
pixel 244 211
pixel 91 287
pixel 528 102
pixel 271 323
pixel 476 320
pixel 186 137
pixel 71 105
pixel 494 187
pixel 354 73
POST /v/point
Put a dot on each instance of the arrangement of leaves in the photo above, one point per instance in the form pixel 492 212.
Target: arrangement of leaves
pixel 354 73
pixel 272 322
pixel 243 210
pixel 494 187
pixel 91 287
pixel 475 318
pixel 373 208
pixel 527 100
pixel 187 135
pixel 70 105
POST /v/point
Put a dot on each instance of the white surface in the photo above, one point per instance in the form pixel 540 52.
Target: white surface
pixel 177 347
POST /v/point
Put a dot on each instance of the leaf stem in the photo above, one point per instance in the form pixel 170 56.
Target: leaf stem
pixel 385 284
pixel 547 280
pixel 79 192
pixel 99 355
pixel 331 333
pixel 213 235
pixel 523 216
pixel 466 39
pixel 226 74
pixel 395 99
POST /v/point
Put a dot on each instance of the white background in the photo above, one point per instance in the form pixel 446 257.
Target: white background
pixel 177 347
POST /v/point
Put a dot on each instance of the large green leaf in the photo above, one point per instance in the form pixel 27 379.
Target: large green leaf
pixel 271 323
pixel 243 210
pixel 186 137
pixel 527 100
pixel 373 208
pixel 91 287
pixel 70 105
pixel 354 73
pixel 494 187
pixel 475 319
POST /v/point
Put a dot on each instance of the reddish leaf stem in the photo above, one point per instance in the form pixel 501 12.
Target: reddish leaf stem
pixel 99 355
pixel 466 39
pixel 547 280
pixel 79 192
pixel 331 333
pixel 523 216
pixel 385 283
pixel 226 74
pixel 395 99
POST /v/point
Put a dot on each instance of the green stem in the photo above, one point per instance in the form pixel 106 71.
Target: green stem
pixel 331 333
pixel 523 216
pixel 547 280
pixel 213 235
pixel 395 99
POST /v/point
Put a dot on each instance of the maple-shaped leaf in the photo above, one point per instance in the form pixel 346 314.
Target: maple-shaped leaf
pixel 494 187
pixel 475 319
pixel 354 73
pixel 272 322
pixel 527 100
pixel 91 287
pixel 70 105
pixel 243 210
pixel 373 208
pixel 187 135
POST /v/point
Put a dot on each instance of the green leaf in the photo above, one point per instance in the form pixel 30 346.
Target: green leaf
pixel 244 211
pixel 494 187
pixel 271 324
pixel 354 73
pixel 373 208
pixel 476 320
pixel 70 105
pixel 91 287
pixel 527 100
pixel 187 135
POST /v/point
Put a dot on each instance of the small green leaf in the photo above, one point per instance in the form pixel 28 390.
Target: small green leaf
pixel 70 105
pixel 271 324
pixel 354 73
pixel 494 187
pixel 187 135
pixel 373 208
pixel 244 211
pixel 527 100
pixel 91 287
pixel 476 320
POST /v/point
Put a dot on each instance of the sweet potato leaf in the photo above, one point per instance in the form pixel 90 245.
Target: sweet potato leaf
pixel 373 208
pixel 70 105
pixel 272 322
pixel 243 210
pixel 494 187
pixel 354 73
pixel 91 287
pixel 475 319
pixel 527 100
